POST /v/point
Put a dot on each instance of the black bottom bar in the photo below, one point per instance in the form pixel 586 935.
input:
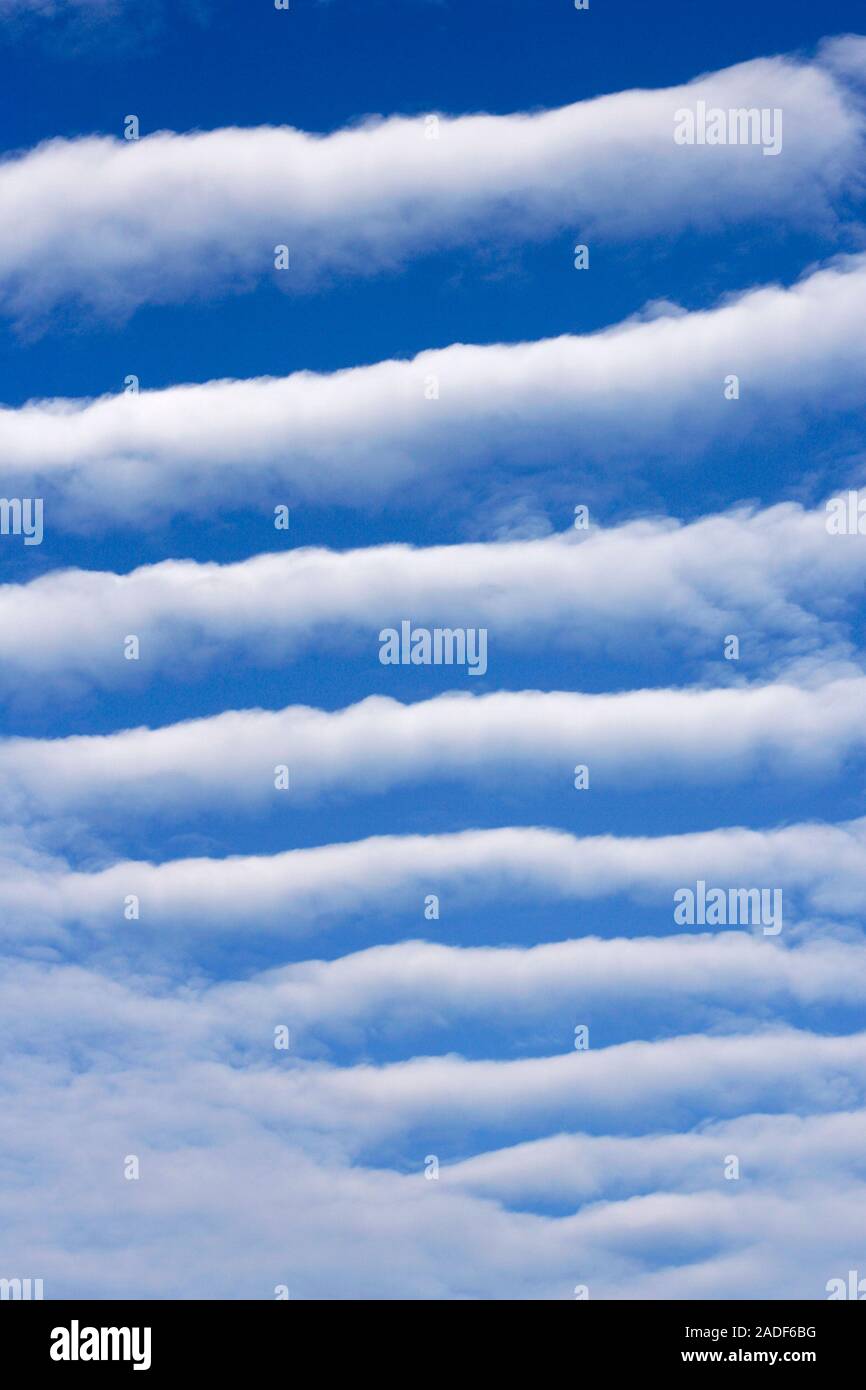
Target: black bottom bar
pixel 157 1338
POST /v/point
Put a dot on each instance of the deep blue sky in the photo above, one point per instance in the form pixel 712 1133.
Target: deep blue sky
pixel 211 65
pixel 337 63
pixel 201 67
pixel 320 67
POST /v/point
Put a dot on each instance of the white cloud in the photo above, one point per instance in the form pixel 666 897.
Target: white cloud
pixel 627 1088
pixel 261 1168
pixel 253 1167
pixel 392 995
pixel 287 893
pixel 232 1208
pixel 586 1167
pixel 364 434
pixel 247 1176
pixel 637 736
pixel 784 577
pixel 115 223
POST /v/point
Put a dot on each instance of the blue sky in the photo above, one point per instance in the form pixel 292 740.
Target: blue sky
pixel 413 259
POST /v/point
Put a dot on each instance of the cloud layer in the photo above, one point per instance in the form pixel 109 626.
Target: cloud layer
pixel 644 736
pixel 166 216
pixel 155 1034
pixel 787 582
pixel 363 435
pixel 277 1165
pixel 823 866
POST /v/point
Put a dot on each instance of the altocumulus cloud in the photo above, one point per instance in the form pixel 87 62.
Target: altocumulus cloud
pixel 168 215
pixel 788 579
pixel 653 735
pixel 156 1033
pixel 296 890
pixel 361 435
